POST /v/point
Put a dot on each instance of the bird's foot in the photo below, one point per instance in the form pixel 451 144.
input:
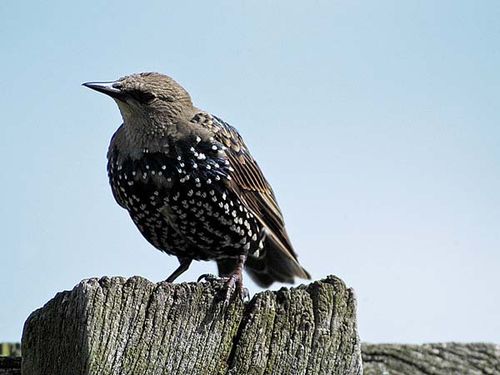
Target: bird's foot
pixel 232 284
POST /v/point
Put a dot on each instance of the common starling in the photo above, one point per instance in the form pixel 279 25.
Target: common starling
pixel 191 186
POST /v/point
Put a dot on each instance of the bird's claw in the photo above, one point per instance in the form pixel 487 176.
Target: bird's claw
pixel 209 277
pixel 232 283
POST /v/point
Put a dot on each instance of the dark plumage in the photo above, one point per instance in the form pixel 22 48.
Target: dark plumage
pixel 191 186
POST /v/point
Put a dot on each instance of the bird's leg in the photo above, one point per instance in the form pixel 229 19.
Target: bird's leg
pixel 234 281
pixel 184 265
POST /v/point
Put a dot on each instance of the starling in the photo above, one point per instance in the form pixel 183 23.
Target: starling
pixel 191 186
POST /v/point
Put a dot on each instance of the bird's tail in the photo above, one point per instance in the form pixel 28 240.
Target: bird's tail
pixel 274 265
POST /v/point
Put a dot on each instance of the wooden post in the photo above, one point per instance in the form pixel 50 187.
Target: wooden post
pixel 132 326
pixel 10 365
pixel 436 359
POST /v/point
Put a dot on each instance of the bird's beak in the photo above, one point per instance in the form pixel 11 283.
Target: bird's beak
pixel 108 88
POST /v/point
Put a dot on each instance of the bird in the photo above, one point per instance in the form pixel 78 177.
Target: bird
pixel 191 186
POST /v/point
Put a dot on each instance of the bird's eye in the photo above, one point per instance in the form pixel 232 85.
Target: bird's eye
pixel 142 96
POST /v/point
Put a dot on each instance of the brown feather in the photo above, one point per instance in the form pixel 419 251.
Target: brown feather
pixel 252 187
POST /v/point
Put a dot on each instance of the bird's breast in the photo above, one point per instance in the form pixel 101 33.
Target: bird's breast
pixel 182 200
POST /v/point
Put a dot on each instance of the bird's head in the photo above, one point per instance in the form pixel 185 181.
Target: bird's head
pixel 148 102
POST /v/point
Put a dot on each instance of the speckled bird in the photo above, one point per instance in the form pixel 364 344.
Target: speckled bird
pixel 192 187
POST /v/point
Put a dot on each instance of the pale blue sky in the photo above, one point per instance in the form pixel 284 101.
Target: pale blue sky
pixel 376 122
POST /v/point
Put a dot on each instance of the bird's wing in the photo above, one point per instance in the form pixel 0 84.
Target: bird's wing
pixel 249 183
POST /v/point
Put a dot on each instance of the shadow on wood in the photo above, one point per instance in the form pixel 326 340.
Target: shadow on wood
pixel 132 326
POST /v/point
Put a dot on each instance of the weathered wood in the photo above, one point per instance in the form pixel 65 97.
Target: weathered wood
pixel 10 365
pixel 120 326
pixel 435 359
pixel 397 359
